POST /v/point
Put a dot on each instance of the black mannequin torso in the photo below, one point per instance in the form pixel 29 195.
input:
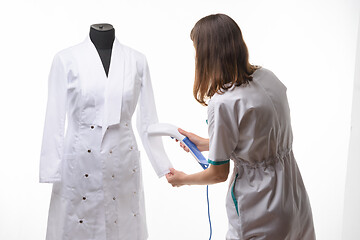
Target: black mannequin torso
pixel 102 36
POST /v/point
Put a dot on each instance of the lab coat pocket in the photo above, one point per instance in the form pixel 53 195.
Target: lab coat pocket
pixel 233 196
pixel 136 168
pixel 69 163
pixel 136 160
pixel 68 166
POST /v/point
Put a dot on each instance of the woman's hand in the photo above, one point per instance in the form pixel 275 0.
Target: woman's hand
pixel 176 178
pixel 201 143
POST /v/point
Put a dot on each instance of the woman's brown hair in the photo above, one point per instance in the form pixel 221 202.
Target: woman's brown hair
pixel 222 58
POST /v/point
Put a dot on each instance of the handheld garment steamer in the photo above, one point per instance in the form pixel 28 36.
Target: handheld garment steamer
pixel 165 129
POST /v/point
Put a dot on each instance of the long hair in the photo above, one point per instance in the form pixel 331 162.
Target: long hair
pixel 222 58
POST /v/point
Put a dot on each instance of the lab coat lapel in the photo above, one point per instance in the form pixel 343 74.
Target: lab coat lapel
pixel 109 100
pixel 114 88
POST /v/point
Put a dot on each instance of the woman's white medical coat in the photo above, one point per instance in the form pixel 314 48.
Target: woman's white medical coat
pixel 250 125
pixel 95 166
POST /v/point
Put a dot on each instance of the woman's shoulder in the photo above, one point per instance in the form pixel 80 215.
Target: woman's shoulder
pixel 262 71
pixel 235 93
pixel 226 99
pixel 266 76
pixel 220 97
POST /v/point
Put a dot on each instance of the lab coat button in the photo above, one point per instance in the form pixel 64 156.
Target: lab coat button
pixel 114 198
pixel 89 151
pixel 134 170
pixel 126 124
pixel 86 175
pixel 115 222
pixel 84 198
pixel 110 151
pixel 80 221
pixel 134 214
pixel 131 148
pixel 92 126
pixel 113 176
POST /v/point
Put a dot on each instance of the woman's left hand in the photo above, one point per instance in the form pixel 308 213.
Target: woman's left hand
pixel 176 178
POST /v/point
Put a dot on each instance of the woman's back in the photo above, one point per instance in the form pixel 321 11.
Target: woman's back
pixel 261 114
pixel 250 124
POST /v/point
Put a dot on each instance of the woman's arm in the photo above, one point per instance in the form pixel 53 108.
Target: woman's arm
pixel 214 174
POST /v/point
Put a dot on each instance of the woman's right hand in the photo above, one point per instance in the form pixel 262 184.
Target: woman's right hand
pixel 201 143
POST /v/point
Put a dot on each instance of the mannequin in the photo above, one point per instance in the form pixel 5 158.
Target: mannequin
pixel 89 151
pixel 102 35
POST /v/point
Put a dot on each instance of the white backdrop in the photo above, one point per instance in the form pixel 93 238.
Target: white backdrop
pixel 309 44
pixel 351 214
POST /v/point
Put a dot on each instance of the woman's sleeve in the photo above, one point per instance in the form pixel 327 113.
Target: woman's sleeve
pixel 53 132
pixel 223 132
pixel 146 116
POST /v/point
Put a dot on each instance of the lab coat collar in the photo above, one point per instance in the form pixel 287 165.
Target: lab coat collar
pixel 113 90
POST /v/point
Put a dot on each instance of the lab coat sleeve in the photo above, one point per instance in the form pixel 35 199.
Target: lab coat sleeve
pixel 53 132
pixel 223 132
pixel 146 116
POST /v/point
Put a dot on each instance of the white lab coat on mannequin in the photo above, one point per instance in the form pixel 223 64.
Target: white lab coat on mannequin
pixel 95 167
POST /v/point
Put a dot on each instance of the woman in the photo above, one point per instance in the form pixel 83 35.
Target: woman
pixel 249 123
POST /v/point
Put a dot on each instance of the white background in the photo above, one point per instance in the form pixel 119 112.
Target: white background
pixel 351 214
pixel 309 44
